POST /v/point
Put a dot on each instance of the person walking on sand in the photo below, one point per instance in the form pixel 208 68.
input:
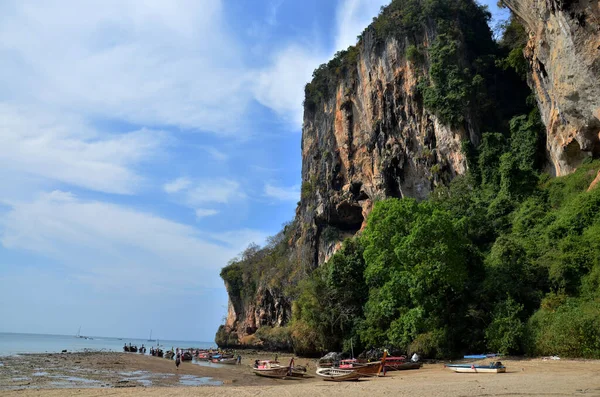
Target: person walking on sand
pixel 239 359
pixel 177 360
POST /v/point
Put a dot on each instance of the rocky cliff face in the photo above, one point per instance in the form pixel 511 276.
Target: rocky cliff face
pixel 369 136
pixel 372 139
pixel 271 308
pixel 564 55
pixel 369 139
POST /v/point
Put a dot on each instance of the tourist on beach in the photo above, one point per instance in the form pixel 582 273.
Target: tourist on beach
pixel 239 359
pixel 178 359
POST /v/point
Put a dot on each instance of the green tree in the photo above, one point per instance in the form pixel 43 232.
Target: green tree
pixel 416 271
pixel 506 331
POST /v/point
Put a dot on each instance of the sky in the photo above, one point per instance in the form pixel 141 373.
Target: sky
pixel 144 144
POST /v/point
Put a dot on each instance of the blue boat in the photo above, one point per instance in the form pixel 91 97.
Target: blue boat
pixel 480 356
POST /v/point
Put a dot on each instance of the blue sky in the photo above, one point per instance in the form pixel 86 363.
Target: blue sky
pixel 145 144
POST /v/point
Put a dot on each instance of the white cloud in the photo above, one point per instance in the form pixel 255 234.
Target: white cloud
pixel 165 63
pixel 198 192
pixel 280 85
pixel 108 245
pixel 177 185
pixel 272 12
pixel 202 212
pixel 215 153
pixel 353 16
pixel 62 147
pixel 283 193
pixel 221 191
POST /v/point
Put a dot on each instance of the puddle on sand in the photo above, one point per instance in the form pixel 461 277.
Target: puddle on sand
pixel 204 363
pixel 39 373
pixel 72 379
pixel 133 373
pixel 191 380
pixel 20 378
pixel 162 375
pixel 61 384
pixel 141 377
pixel 145 382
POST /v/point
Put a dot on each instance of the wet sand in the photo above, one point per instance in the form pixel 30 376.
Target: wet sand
pixel 122 374
pixel 121 370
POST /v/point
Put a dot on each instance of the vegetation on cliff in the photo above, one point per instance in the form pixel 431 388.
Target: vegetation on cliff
pixel 511 266
pixel 504 259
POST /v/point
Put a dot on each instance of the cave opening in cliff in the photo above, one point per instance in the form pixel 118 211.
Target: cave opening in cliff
pixel 347 217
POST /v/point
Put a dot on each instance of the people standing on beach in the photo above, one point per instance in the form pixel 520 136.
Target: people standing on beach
pixel 178 359
pixel 239 359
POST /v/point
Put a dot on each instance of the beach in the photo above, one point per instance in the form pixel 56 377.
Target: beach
pixel 123 374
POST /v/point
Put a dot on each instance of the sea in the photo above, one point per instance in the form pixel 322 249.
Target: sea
pixel 13 343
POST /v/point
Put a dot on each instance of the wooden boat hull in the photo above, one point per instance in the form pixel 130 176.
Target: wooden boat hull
pixel 402 366
pixel 479 370
pixel 368 369
pixel 476 369
pixel 280 372
pixel 338 375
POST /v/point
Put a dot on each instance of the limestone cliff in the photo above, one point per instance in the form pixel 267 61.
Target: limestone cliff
pixel 370 132
pixel 564 56
pixel 366 136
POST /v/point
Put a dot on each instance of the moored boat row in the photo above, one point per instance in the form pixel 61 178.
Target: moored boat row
pixel 353 369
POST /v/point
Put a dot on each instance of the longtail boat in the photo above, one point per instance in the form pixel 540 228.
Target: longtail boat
pixel 494 367
pixel 339 375
pixel 399 363
pixel 272 369
pixel 367 369
pixel 226 360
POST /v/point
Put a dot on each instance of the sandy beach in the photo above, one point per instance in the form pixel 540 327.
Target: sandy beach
pixel 119 374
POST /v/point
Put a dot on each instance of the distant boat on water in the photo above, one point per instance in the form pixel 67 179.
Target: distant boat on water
pixel 150 338
pixel 81 336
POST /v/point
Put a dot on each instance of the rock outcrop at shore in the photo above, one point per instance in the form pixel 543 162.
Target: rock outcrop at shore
pixel 370 133
pixel 366 136
pixel 564 57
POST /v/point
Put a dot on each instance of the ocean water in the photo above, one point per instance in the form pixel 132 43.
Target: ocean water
pixel 11 344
